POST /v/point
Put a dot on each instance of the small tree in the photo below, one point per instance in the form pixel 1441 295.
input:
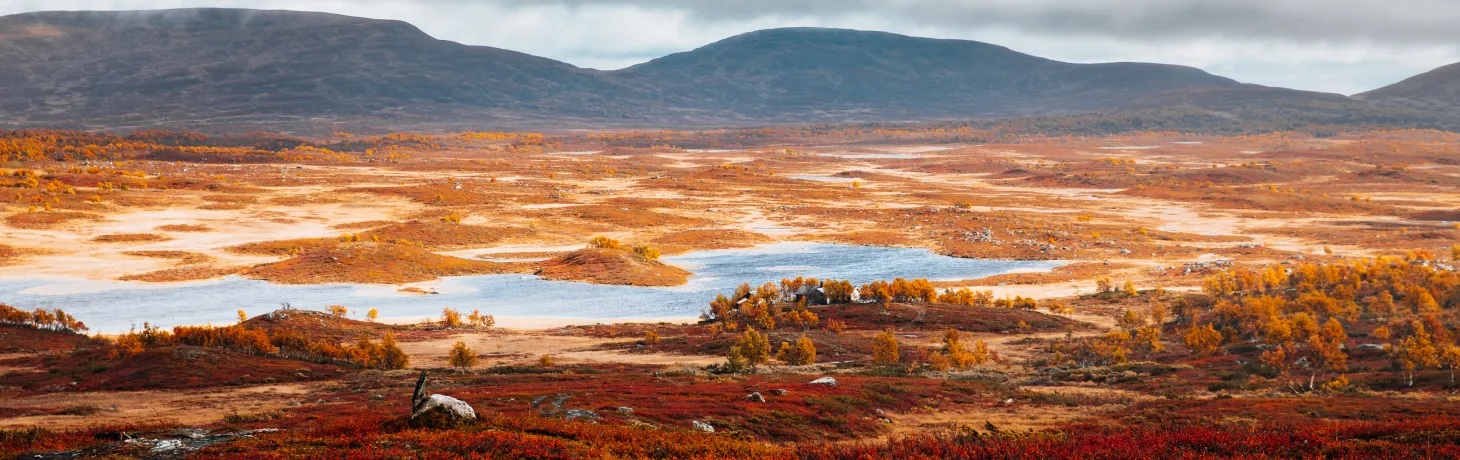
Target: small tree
pixel 800 354
pixel 1129 320
pixel 884 348
pixel 242 317
pixel 476 319
pixel 450 318
pixel 754 347
pixel 646 252
pixel 651 338
pixel 1129 288
pixel 461 357
pixel 1202 339
pixel 1450 357
pixel 339 311
pixel 392 357
pixel 372 315
pixel 545 360
pixel 604 243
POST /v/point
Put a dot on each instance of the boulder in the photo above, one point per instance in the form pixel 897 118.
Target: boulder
pixel 702 426
pixel 452 406
pixel 828 381
pixel 779 392
pixel 755 396
pixel 421 404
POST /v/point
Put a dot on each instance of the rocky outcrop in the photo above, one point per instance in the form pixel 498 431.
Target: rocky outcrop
pixel 422 404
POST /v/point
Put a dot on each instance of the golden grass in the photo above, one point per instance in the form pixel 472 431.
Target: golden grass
pixel 693 240
pixel 129 238
pixel 45 220
pixel 611 266
pixel 374 263
pixel 183 228
pixel 183 257
pixel 182 274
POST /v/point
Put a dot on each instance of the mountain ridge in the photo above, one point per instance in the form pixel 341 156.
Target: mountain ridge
pixel 219 68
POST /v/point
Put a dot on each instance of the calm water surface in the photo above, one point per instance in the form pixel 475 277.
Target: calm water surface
pixel 117 306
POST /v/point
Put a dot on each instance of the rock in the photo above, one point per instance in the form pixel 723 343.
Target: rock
pixel 755 397
pixel 580 413
pixel 167 445
pixel 702 426
pixel 452 406
pixel 625 410
pixel 824 381
pixel 779 392
pixel 1370 346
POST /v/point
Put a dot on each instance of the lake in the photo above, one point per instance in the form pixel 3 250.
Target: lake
pixel 114 306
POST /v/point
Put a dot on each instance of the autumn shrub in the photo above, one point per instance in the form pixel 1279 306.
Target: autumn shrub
pixel 800 354
pixel 462 357
pixel 450 318
pixel 885 348
pixel 603 242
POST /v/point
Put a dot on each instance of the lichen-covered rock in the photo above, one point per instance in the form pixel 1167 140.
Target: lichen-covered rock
pixel 755 397
pixel 828 381
pixel 451 405
pixel 705 427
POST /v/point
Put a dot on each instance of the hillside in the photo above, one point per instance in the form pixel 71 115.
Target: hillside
pixel 1437 89
pixel 209 65
pixel 233 70
pixel 810 73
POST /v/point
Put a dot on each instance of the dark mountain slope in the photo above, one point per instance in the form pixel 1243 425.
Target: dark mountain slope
pixel 233 70
pixel 220 63
pixel 1437 89
pixel 817 73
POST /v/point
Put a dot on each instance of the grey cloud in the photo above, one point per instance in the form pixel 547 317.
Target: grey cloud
pixel 1425 21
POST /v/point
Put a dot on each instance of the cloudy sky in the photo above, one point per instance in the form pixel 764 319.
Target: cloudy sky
pixel 1342 46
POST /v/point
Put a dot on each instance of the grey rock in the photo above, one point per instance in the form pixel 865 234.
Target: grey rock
pixel 824 381
pixel 452 405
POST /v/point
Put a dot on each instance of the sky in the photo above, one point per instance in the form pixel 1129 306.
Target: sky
pixel 1339 46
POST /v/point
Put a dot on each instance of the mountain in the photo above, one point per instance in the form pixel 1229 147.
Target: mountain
pixel 799 73
pixel 1437 89
pixel 220 64
pixel 283 71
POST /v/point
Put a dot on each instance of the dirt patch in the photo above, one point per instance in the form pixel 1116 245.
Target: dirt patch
pixel 183 228
pixel 374 263
pixel 130 238
pixel 612 266
pixel 140 407
pixel 182 257
pixel 45 220
pixel 182 274
pixel 694 240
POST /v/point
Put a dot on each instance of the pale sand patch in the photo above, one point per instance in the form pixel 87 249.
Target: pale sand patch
pixel 526 324
pixel 509 348
pixel 1006 417
pixel 72 255
pixel 189 407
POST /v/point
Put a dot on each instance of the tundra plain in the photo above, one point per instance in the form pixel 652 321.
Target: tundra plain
pixel 1279 294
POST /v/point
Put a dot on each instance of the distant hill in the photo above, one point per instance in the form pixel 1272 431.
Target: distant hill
pixel 220 64
pixel 283 71
pixel 1437 89
pixel 800 73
